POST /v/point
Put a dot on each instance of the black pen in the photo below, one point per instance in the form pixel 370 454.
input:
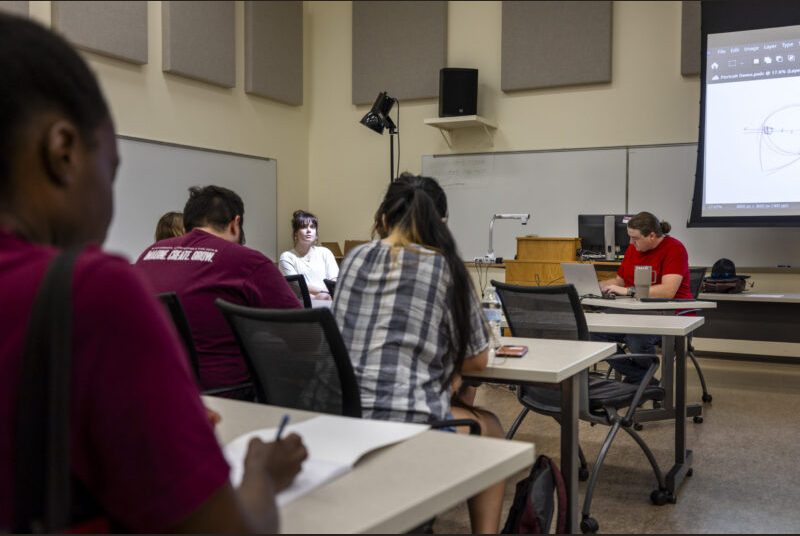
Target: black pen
pixel 281 426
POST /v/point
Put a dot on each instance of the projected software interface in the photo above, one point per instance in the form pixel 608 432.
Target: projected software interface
pixel 752 123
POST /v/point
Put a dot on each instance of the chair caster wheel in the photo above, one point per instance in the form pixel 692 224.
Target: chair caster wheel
pixel 698 419
pixel 583 474
pixel 659 497
pixel 638 426
pixel 690 472
pixel 707 398
pixel 589 525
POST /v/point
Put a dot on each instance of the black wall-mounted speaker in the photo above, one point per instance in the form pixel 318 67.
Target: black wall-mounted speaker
pixel 458 92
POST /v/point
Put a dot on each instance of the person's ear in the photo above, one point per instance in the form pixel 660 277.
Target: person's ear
pixel 234 227
pixel 60 148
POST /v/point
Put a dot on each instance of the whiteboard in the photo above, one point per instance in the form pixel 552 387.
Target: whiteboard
pixel 553 186
pixel 154 178
pixel 661 180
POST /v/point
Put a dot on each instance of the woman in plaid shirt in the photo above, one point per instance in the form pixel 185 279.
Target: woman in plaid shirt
pixel 412 322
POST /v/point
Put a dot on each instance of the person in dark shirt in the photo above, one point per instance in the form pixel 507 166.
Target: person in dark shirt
pixel 141 443
pixel 210 262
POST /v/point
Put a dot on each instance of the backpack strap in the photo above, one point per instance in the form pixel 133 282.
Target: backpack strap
pixel 561 494
pixel 42 474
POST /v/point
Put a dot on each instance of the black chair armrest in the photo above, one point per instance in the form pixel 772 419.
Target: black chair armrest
pixel 644 384
pixel 228 388
pixel 474 426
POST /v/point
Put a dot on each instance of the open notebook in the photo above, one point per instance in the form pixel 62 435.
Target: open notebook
pixel 334 446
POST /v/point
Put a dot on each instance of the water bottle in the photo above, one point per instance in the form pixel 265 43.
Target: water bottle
pixel 494 315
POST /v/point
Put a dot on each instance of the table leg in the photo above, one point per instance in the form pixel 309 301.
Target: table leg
pixel 668 369
pixel 683 457
pixel 569 448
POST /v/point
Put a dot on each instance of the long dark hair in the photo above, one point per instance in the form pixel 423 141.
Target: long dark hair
pixel 416 206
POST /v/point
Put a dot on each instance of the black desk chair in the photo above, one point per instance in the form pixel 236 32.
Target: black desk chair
pixel 330 285
pixel 178 315
pixel 554 312
pixel 298 360
pixel 298 285
pixel 696 276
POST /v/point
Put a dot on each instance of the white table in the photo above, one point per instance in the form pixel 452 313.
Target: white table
pixel 633 304
pixel 391 490
pixel 768 297
pixel 673 331
pixel 321 304
pixel 558 362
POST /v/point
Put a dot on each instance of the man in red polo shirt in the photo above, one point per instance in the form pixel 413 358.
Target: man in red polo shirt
pixel 650 246
pixel 210 262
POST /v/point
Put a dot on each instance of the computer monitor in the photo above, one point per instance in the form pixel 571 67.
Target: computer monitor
pixel 591 230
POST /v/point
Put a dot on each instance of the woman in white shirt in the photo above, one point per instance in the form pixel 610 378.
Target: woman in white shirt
pixel 315 263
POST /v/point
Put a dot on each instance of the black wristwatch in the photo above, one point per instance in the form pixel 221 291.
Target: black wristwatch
pixel 631 291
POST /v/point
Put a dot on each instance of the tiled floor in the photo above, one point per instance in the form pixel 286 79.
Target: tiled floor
pixel 746 457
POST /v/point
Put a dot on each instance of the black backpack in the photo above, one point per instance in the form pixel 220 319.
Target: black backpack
pixel 533 506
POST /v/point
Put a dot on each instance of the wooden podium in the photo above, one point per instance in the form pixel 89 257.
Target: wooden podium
pixel 539 261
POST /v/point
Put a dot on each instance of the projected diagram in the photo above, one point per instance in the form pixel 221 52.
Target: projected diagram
pixel 779 139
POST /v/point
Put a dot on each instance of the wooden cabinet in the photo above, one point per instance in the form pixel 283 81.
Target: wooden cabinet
pixel 539 261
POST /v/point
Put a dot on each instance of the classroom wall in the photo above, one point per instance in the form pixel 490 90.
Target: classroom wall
pixel 647 102
pixel 148 103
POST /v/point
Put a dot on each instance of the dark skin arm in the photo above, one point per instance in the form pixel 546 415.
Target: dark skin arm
pixel 268 469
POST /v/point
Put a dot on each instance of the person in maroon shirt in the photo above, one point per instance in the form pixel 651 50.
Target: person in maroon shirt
pixel 141 443
pixel 650 246
pixel 210 262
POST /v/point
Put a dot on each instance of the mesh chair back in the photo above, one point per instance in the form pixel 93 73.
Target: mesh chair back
pixel 696 276
pixel 296 357
pixel 298 285
pixel 175 309
pixel 331 285
pixel 551 312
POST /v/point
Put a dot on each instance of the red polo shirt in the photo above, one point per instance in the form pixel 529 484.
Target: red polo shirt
pixel 669 257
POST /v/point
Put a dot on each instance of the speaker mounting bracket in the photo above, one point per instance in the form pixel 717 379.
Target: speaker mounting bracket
pixel 447 125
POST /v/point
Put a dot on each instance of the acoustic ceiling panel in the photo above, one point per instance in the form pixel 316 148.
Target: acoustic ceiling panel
pixel 273 50
pixel 398 47
pixel 690 38
pixel 551 44
pixel 199 40
pixel 116 29
pixel 14 7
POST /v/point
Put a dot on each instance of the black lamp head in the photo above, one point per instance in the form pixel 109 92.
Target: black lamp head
pixel 377 118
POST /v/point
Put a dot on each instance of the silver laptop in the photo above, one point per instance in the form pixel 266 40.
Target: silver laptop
pixel 584 277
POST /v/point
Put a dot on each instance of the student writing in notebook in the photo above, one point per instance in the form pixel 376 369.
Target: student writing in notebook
pixel 143 451
pixel 411 321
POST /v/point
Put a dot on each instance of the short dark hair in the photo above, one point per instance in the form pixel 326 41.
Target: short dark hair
pixel 40 71
pixel 212 206
pixel 647 223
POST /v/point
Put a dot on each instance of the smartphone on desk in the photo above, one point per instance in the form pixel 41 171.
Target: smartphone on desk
pixel 511 350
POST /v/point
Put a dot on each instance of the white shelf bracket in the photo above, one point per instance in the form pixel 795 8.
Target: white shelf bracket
pixel 446 139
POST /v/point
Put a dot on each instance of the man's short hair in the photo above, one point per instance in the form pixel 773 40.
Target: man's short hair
pixel 212 206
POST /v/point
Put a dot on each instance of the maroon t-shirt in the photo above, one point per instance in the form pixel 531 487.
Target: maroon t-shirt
pixel 141 441
pixel 200 268
pixel 669 257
